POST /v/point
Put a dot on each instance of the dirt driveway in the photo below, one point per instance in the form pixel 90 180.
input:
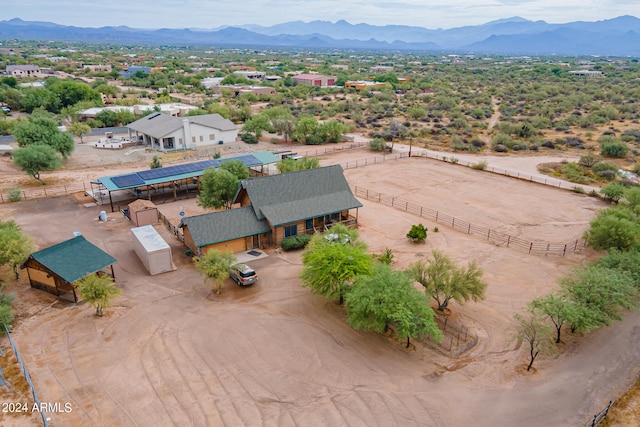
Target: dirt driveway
pixel 170 353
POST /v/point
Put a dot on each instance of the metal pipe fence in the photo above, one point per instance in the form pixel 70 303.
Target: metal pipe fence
pixel 45 191
pixel 495 237
pixel 456 339
pixel 597 418
pixel 544 180
pixel 26 374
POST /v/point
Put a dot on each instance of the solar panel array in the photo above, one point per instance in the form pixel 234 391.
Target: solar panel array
pixel 140 178
pixel 126 181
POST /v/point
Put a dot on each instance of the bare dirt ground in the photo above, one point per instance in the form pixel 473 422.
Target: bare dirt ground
pixel 171 353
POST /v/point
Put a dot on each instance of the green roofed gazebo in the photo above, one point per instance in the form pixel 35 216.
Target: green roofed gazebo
pixel 57 268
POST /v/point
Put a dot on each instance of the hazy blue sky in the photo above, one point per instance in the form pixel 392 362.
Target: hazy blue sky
pixel 214 13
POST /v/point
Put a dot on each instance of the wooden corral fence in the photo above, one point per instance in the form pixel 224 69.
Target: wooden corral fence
pixel 495 237
pixel 597 418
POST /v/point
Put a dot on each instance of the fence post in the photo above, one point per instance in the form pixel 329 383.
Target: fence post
pixel 508 240
pixel 564 252
pixel 469 229
pixel 530 246
pixel 453 223
pixel 489 234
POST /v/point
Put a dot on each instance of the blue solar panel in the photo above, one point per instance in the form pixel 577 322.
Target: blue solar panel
pixel 126 181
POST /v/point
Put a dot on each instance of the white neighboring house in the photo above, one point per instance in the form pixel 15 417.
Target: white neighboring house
pixel 167 133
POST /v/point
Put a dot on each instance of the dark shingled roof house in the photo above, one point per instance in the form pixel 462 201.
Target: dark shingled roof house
pixel 273 208
pixel 57 268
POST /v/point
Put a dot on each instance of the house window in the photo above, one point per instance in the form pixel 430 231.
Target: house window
pixel 291 230
pixel 211 137
pixel 201 138
pixel 193 139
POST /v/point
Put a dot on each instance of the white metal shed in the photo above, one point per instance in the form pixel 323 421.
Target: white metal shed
pixel 152 249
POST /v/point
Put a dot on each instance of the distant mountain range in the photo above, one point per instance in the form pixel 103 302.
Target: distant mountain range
pixel 516 36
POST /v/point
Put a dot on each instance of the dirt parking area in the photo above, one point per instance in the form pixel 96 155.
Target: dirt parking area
pixel 171 353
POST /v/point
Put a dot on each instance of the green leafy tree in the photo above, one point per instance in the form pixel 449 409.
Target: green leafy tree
pixel 560 310
pixel 331 131
pixel 613 229
pixel 418 233
pixel 63 143
pixel 292 165
pixel 36 158
pixel 377 144
pixel 604 292
pixel 387 298
pixel 257 124
pixel 237 168
pixel 70 92
pixel 38 129
pixel 332 260
pixel 443 280
pixel 108 118
pixel 215 266
pixel 613 192
pixel 15 246
pixel 218 188
pixel 99 291
pixel 42 130
pixel 537 336
pixel 78 129
pixel 305 127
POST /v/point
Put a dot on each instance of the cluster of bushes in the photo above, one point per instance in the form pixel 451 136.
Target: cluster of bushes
pixel 589 169
pixel 295 242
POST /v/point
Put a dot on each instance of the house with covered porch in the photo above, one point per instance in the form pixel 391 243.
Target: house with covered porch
pixel 166 133
pixel 273 208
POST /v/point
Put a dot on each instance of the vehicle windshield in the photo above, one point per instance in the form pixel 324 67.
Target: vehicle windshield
pixel 247 273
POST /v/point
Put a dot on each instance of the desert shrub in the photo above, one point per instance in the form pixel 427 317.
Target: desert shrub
pixel 605 170
pixel 502 139
pixel 477 142
pixel 607 174
pixel 519 147
pixel 613 147
pixel 574 173
pixel 534 147
pixel 548 144
pixel 499 148
pixel 482 165
pixel 274 141
pixel 249 138
pixel 418 233
pixel 377 144
pixel 295 242
pixel 15 194
pixel 155 163
pixel 631 135
pixel 574 141
pixel 587 161
pixel 386 257
pixel 579 190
